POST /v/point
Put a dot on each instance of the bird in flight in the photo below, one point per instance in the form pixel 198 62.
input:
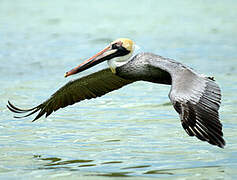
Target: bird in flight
pixel 195 97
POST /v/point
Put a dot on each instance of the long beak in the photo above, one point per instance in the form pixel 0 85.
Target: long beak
pixel 105 54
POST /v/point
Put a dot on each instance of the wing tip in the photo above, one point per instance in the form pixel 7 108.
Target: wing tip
pixel 221 144
pixel 18 110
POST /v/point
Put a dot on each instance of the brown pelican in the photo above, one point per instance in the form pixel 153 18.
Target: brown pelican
pixel 195 97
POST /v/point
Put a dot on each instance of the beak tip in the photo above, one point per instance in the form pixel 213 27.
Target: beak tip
pixel 66 74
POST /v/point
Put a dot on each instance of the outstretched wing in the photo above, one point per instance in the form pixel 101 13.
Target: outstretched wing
pixel 197 100
pixel 91 86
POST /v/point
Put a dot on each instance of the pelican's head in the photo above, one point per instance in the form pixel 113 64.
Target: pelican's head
pixel 117 53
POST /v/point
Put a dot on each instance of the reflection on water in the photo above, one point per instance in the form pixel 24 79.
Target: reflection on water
pixel 76 165
pixel 112 162
pixel 113 174
pixel 205 169
pixel 135 167
pixel 66 162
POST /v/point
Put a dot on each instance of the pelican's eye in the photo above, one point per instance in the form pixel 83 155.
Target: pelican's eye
pixel 117 45
pixel 114 46
pixel 121 51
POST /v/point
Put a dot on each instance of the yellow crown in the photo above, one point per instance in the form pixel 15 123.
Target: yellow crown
pixel 126 43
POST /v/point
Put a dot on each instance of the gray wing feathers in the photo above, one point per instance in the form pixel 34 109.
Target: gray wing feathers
pixel 198 107
pixel 197 100
pixel 91 86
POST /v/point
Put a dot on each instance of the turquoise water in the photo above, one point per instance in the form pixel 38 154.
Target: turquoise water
pixel 130 133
